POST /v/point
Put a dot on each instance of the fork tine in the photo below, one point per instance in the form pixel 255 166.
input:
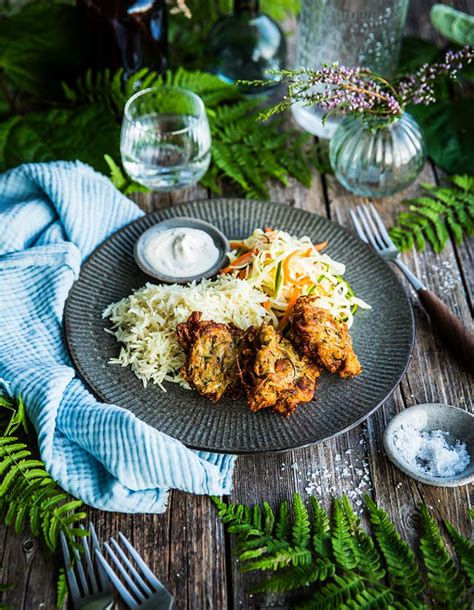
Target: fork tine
pixel 80 571
pixel 128 580
pixel 124 594
pixel 104 581
pixel 152 579
pixel 374 230
pixel 71 577
pixel 358 227
pixel 381 226
pixel 131 567
pixel 90 565
pixel 367 230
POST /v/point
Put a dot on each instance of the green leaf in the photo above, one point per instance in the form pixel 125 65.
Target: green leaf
pixel 464 551
pixel 453 24
pixel 445 580
pixel 333 594
pixel 122 181
pixel 301 529
pixel 402 569
pixel 449 133
pixel 83 133
pixel 282 525
pixel 295 577
pixel 414 53
pixel 61 588
pixel 343 543
pixel 321 529
pixel 449 209
pixel 28 495
pixel 40 46
pixel 18 419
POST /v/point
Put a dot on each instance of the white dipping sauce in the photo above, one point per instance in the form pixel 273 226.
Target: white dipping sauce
pixel 181 252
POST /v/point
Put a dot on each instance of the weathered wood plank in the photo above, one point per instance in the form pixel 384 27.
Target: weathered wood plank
pixel 29 568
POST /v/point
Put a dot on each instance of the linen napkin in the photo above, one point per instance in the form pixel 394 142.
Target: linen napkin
pixel 52 216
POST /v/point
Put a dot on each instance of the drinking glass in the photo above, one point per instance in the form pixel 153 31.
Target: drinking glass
pixel 353 33
pixel 165 141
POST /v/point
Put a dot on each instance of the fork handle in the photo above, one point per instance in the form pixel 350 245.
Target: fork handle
pixel 449 327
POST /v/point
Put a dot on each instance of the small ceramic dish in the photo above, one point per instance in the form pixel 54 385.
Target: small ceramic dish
pixel 220 240
pixel 427 417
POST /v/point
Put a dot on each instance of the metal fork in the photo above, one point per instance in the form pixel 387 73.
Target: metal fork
pixel 89 586
pixel 138 586
pixel 460 340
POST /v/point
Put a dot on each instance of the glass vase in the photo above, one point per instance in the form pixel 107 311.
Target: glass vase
pixel 377 159
pixel 364 33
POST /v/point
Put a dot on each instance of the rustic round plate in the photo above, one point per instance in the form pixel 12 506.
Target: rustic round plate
pixel 383 337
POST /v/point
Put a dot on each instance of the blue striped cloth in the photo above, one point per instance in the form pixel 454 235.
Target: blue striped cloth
pixel 52 216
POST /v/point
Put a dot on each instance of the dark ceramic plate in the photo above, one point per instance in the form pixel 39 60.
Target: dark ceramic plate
pixel 383 337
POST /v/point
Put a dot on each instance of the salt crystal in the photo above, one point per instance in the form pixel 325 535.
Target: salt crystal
pixel 430 452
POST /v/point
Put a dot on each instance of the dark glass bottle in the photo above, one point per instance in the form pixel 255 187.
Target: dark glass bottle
pixel 126 34
pixel 246 43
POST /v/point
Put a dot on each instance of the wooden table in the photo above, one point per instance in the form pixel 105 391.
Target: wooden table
pixel 187 546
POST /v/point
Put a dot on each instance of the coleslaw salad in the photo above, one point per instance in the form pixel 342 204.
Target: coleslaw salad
pixel 285 267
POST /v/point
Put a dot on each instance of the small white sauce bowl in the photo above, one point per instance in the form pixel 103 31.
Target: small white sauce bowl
pixel 220 240
pixel 428 417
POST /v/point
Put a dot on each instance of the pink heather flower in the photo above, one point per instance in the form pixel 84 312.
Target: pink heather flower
pixel 418 88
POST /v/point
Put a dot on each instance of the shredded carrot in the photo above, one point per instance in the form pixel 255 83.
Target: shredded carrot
pixel 235 245
pixel 242 260
pixel 320 246
pixel 309 251
pixel 295 293
pixel 286 266
pixel 303 280
pixel 267 304
pixel 242 274
pixel 268 230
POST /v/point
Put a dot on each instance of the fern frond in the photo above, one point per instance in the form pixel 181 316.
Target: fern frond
pixel 296 577
pixel 343 543
pixel 280 557
pixel 321 529
pixel 28 495
pixel 402 568
pixel 61 588
pixel 447 584
pixel 464 551
pixel 369 561
pixel 432 218
pixel 282 525
pixel 334 594
pixel 301 533
pixel 371 599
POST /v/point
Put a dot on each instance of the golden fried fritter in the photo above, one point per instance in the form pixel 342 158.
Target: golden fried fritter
pixel 273 374
pixel 318 335
pixel 211 355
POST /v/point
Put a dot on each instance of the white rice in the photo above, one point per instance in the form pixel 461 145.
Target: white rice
pixel 145 322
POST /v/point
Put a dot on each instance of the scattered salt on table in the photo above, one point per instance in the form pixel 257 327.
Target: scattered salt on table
pixel 430 452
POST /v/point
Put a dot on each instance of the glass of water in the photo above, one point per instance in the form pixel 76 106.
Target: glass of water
pixel 165 141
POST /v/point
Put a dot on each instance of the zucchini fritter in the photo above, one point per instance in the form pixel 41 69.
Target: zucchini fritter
pixel 211 355
pixel 318 335
pixel 273 374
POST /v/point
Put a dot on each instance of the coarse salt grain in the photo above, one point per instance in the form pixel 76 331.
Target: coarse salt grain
pixel 430 452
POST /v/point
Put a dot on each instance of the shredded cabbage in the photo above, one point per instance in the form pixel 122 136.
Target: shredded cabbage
pixel 285 267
